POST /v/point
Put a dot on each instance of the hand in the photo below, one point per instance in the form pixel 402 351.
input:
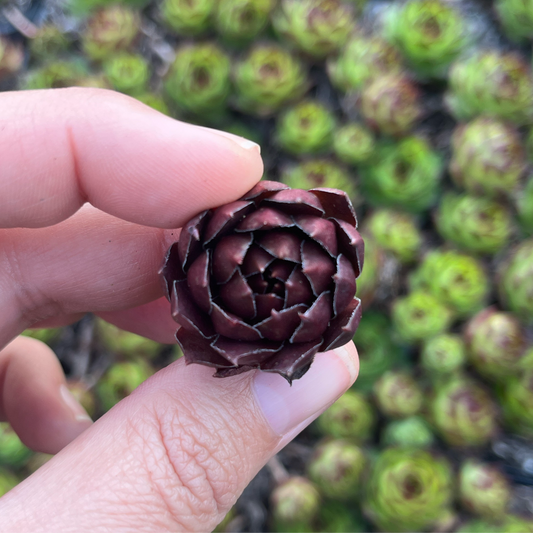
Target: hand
pixel 92 184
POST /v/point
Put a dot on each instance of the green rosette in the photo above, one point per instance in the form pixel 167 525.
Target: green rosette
pixel 337 469
pixel 491 83
pixel 443 355
pixel 405 175
pixel 109 30
pixel 339 517
pixel 419 316
pixel 396 232
pixel 127 73
pixel 457 280
pixel 315 27
pixel 361 60
pixel 484 490
pixel 429 33
pixel 354 143
pixel 516 17
pixel 188 17
pixel 516 399
pixel 408 490
pixel 391 104
pixel 397 394
pixel 49 41
pixel 267 78
pixel 411 432
pixel 524 206
pixel 497 344
pixel 352 417
pixel 488 157
pixel 463 413
pixel 306 128
pixel 198 81
pixel 515 282
pixel 475 224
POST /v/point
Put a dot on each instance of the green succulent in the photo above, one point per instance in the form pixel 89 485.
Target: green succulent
pixel 120 381
pixel 405 174
pixel 127 73
pixel 484 490
pixel 49 41
pixel 463 412
pixel 488 157
pixel 397 394
pixel 408 490
pixel 154 101
pixel 515 281
pixel 361 60
pixel 350 417
pixel 419 316
pixel 55 75
pixel 516 17
pixel 524 207
pixel 240 21
pixel 319 173
pixel 396 232
pixel 457 280
pixel 267 78
pixel 429 33
pixel 110 29
pixel 294 505
pixel 12 452
pixel 8 481
pixel 369 280
pixel 492 83
pixel 478 225
pixel 316 27
pixel 443 354
pixel 337 469
pixel 497 344
pixel 47 335
pixel 516 397
pixel 354 143
pixel 198 81
pixel 391 104
pixel 188 17
pixel 411 432
pixel 338 517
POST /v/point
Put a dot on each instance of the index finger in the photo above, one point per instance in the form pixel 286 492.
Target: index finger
pixel 61 148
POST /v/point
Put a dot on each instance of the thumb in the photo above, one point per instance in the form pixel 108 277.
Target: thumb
pixel 177 453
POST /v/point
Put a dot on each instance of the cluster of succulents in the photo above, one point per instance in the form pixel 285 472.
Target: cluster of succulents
pixel 422 112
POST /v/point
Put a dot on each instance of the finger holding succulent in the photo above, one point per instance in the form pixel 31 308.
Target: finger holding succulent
pixel 443 355
pixel 397 394
pixel 354 143
pixel 188 17
pixel 127 73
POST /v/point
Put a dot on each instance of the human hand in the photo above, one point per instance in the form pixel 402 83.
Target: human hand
pixel 92 185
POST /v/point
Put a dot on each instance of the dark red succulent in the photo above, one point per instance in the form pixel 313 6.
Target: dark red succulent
pixel 266 281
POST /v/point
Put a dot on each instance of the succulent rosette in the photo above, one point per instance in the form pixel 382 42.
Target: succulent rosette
pixel 267 78
pixel 337 468
pixel 411 432
pixel 316 27
pixel 443 354
pixel 524 206
pixel 497 344
pixel 488 157
pixel 483 489
pixel 516 399
pixel 306 128
pixel 361 60
pixel 429 33
pixel 49 41
pixel 352 417
pixel 266 281
pixel 240 21
pixel 397 394
pixel 418 316
pixel 463 412
pixel 338 517
pixel 492 83
pixel 198 80
pixel 408 490
pixel 396 232
pixel 354 143
pixel 110 29
pixel 127 73
pixel 475 224
pixel 405 174
pixel 458 280
pixel 188 17
pixel 515 281
pixel 391 104
pixel 516 17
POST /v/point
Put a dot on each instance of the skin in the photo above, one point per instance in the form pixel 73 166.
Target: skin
pixel 93 185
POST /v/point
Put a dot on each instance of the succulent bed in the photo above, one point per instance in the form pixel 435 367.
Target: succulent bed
pixel 422 112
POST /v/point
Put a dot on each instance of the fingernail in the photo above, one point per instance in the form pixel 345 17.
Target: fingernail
pixel 286 407
pixel 241 141
pixel 80 414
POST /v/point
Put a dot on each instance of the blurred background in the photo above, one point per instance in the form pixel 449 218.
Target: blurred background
pixel 422 110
